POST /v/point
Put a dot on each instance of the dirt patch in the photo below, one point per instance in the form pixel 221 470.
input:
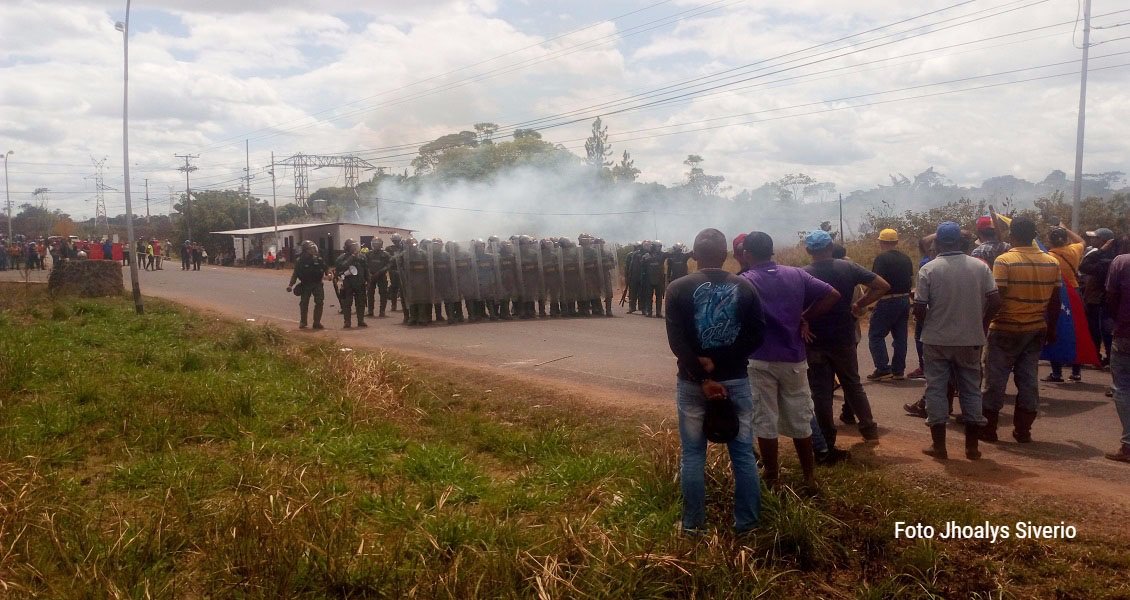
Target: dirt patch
pixel 86 278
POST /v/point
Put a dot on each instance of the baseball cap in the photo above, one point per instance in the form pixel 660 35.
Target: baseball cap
pixel 817 240
pixel 949 233
pixel 985 223
pixel 720 424
pixel 739 247
pixel 1102 232
pixel 888 235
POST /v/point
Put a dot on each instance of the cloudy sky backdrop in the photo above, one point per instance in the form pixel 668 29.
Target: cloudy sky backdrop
pixel 758 88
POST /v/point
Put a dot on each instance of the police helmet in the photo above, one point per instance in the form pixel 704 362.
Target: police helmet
pixel 377 244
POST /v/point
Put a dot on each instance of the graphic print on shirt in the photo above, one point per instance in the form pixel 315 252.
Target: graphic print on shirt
pixel 715 314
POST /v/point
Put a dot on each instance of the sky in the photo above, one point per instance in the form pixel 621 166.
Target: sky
pixel 847 92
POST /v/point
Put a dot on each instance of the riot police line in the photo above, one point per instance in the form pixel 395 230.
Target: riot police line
pixel 519 278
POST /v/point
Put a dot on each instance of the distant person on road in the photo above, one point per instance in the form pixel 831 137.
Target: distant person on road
pixel 197 256
pixel 714 321
pixel 310 269
pixel 186 255
pixel 955 299
pixel 1028 280
pixel 892 311
pixel 150 257
pixel 832 353
pixel 778 370
pixel 1118 307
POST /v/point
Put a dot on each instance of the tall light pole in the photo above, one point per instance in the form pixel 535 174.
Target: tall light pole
pixel 1077 199
pixel 124 28
pixel 8 193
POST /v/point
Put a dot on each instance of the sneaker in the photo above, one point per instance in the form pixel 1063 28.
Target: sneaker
pixel 1075 378
pixel 916 374
pixel 915 410
pixel 1052 379
pixel 898 376
pixel 880 376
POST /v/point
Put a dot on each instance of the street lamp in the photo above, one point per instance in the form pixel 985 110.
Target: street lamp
pixel 8 193
pixel 124 28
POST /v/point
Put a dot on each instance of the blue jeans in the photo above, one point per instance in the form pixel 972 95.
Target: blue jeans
pixel 692 466
pixel 891 317
pixel 961 364
pixel 1120 371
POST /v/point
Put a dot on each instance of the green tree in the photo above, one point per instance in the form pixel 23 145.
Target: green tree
pixel 625 171
pixel 220 210
pixel 431 152
pixel 485 132
pixel 597 148
pixel 796 184
pixel 698 182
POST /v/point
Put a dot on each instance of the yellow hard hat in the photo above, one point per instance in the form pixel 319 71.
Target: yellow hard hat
pixel 888 235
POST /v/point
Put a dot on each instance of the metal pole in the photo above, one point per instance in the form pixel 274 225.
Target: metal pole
pixel 8 193
pixel 275 206
pixel 843 240
pixel 247 178
pixel 147 221
pixel 137 305
pixel 1078 195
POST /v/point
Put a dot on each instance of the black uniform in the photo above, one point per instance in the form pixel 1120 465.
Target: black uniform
pixel 632 279
pixel 653 282
pixel 677 265
pixel 394 289
pixel 551 270
pixel 379 264
pixel 310 270
pixel 352 286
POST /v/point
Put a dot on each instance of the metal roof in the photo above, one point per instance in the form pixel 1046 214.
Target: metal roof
pixel 294 226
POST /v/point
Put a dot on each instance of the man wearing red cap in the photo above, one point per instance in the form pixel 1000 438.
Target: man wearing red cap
pixel 990 246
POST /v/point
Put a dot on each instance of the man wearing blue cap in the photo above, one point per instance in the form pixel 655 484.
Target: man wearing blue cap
pixel 832 351
pixel 955 299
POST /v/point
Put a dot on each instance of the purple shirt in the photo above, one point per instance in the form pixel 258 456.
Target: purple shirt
pixel 1118 295
pixel 785 292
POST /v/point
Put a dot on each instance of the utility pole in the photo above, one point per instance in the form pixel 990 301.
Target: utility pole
pixel 124 28
pixel 147 221
pixel 843 240
pixel 186 169
pixel 8 194
pixel 1078 196
pixel 247 178
pixel 275 207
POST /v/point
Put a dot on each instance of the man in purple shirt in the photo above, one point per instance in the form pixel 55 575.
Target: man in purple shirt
pixel 1118 306
pixel 778 369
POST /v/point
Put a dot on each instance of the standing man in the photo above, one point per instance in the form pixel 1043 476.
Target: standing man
pixel 989 244
pixel 185 254
pixel 654 280
pixel 1094 266
pixel 395 292
pixel 955 300
pixel 1028 280
pixel 831 352
pixel 791 299
pixel 157 254
pixel 311 270
pixel 892 311
pixel 677 262
pixel 379 262
pixel 714 321
pixel 354 272
pixel 150 257
pixel 1118 308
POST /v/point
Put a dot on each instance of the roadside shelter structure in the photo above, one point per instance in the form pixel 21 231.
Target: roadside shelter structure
pixel 251 245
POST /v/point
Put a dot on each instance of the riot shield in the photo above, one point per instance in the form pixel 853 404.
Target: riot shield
pixel 603 275
pixel 404 272
pixel 559 255
pixel 519 261
pixel 543 293
pixel 452 255
pixel 581 273
pixel 431 258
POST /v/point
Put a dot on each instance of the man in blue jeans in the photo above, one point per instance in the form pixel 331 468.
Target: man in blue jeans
pixel 892 311
pixel 714 321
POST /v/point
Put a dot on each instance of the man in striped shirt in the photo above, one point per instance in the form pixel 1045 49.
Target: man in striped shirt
pixel 1028 280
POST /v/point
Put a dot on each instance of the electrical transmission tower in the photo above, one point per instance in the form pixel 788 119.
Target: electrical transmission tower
pixel 101 188
pixel 41 199
pixel 303 162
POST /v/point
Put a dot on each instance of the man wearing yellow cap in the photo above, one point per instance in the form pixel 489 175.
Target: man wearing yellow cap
pixel 892 311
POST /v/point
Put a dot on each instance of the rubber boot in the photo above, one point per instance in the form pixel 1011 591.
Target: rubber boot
pixel 938 448
pixel 318 317
pixel 1022 425
pixel 302 320
pixel 608 307
pixel 988 431
pixel 971 450
pixel 348 320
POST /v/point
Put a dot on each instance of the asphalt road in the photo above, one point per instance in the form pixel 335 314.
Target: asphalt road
pixel 628 357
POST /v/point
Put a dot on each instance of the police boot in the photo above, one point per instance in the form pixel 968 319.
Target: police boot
pixel 608 307
pixel 302 320
pixel 348 320
pixel 531 310
pixel 596 309
pixel 384 302
pixel 504 310
pixel 439 312
pixel 1022 425
pixel 392 307
pixel 541 309
pixel 988 431
pixel 582 308
pixel 937 448
pixel 449 308
pixel 318 317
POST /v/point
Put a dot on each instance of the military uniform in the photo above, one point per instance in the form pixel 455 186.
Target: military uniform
pixel 379 262
pixel 551 275
pixel 310 270
pixel 573 284
pixel 631 279
pixel 591 273
pixel 354 273
pixel 508 280
pixel 446 288
pixel 417 285
pixel 529 280
pixel 653 281
pixel 677 265
pixel 394 289
pixel 467 282
pixel 489 282
pixel 607 268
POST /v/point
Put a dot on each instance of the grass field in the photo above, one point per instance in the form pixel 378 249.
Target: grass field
pixel 174 455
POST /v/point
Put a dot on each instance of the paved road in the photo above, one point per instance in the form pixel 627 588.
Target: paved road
pixel 628 355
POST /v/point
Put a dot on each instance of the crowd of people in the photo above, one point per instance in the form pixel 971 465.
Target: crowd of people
pixel 761 352
pixel 522 277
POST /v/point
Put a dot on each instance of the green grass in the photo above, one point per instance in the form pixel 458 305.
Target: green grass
pixel 171 456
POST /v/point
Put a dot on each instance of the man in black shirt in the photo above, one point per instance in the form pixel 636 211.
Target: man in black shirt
pixel 714 322
pixel 892 312
pixel 832 347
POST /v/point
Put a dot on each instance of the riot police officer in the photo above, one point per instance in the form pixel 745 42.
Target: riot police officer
pixel 354 273
pixel 395 291
pixel 379 262
pixel 310 269
pixel 677 262
pixel 653 280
